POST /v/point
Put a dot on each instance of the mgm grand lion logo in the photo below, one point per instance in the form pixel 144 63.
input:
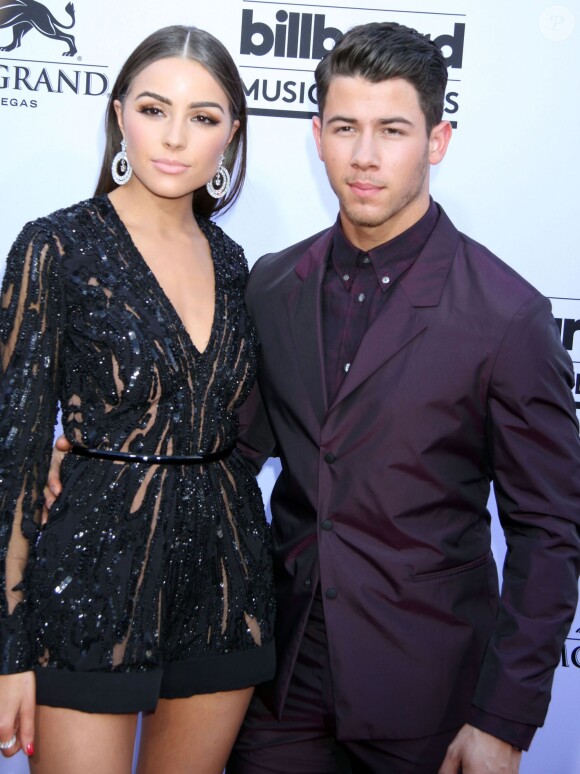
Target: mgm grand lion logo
pixel 25 15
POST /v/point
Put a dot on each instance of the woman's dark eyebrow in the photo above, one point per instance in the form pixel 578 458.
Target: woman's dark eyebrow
pixel 167 101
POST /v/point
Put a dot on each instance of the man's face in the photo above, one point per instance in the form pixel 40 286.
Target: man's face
pixel 374 144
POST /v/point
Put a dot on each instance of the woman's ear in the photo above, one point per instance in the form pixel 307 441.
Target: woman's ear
pixel 235 127
pixel 118 105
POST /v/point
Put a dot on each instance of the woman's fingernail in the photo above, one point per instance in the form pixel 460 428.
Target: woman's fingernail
pixel 30 750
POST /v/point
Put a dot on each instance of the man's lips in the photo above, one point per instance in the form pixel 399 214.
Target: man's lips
pixel 170 166
pixel 364 190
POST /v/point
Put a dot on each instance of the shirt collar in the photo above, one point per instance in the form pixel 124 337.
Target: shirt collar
pixel 388 260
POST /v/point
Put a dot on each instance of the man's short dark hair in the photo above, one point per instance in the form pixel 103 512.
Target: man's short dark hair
pixel 384 50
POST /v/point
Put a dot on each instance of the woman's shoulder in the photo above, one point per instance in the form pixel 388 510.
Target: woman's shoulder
pixel 86 213
pixel 225 250
pixel 216 235
pixel 73 222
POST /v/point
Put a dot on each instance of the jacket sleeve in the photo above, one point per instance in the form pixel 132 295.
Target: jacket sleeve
pixel 535 459
pixel 31 318
pixel 255 438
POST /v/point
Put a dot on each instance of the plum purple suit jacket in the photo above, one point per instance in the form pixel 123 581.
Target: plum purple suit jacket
pixel 461 381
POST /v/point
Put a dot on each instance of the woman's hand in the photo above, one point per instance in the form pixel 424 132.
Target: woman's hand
pixel 17 705
pixel 53 486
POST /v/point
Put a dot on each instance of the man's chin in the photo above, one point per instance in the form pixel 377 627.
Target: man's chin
pixel 364 217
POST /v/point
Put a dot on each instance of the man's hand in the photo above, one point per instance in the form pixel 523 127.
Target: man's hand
pixel 475 752
pixel 53 486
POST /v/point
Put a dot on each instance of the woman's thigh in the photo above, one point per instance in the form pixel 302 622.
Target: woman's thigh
pixel 68 742
pixel 193 734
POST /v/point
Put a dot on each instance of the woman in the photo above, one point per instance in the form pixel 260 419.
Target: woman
pixel 149 587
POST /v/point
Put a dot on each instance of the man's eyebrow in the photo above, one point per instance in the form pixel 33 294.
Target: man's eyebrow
pixel 383 121
pixel 342 120
pixel 167 101
pixel 396 120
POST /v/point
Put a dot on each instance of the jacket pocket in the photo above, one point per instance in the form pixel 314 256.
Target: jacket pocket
pixel 450 571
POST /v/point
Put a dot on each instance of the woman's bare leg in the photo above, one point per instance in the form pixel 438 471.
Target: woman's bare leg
pixel 71 742
pixel 194 734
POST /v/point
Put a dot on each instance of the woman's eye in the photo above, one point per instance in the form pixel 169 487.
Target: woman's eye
pixel 150 110
pixel 203 119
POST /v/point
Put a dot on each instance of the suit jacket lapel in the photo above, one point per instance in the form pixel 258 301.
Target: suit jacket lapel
pixel 392 330
pixel 401 320
pixel 306 322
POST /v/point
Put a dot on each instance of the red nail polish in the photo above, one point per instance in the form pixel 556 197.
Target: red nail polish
pixel 30 750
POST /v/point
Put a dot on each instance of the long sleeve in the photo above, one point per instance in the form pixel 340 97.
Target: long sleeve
pixel 533 437
pixel 255 439
pixel 31 318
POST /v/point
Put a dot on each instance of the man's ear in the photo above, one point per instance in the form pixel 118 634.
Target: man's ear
pixel 317 132
pixel 438 141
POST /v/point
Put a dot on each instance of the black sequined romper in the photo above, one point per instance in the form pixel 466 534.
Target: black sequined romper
pixel 148 580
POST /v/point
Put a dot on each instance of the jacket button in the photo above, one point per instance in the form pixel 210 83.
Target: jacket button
pixel 331 593
pixel 327 524
pixel 329 457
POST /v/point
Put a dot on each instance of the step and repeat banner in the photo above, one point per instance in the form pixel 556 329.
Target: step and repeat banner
pixel 509 179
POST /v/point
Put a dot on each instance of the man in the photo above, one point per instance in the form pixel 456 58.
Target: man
pixel 404 369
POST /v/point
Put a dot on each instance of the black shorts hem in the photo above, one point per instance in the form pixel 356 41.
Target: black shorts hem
pixel 105 692
pixel 127 692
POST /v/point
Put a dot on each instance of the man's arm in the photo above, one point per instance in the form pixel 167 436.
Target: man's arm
pixel 255 438
pixel 535 462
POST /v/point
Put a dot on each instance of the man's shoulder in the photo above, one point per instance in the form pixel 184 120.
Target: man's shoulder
pixel 481 271
pixel 496 274
pixel 285 260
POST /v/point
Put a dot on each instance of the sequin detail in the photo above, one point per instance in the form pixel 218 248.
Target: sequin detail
pixel 138 564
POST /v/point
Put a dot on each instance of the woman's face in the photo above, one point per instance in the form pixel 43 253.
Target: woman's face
pixel 176 122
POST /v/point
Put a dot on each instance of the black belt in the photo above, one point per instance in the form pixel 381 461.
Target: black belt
pixel 153 459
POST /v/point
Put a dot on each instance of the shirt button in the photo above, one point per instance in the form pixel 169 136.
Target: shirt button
pixel 385 280
pixel 366 259
pixel 346 367
pixel 307 582
pixel 331 593
pixel 361 297
pixel 327 525
pixel 329 457
pixel 346 277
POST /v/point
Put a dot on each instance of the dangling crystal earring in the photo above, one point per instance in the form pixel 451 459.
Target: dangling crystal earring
pixel 121 170
pixel 219 185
